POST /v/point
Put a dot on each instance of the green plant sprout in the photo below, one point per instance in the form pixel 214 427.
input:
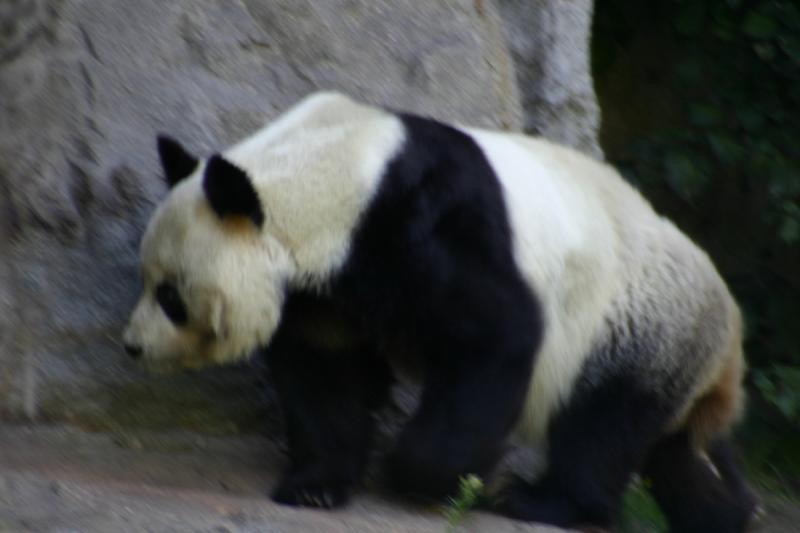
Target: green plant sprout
pixel 470 489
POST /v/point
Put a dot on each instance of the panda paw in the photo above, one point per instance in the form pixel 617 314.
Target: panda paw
pixel 322 497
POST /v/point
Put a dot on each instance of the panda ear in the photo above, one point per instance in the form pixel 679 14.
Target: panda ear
pixel 175 160
pixel 230 192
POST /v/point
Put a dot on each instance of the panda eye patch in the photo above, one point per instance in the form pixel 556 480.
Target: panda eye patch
pixel 171 303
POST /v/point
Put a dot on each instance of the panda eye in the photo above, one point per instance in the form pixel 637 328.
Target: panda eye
pixel 170 301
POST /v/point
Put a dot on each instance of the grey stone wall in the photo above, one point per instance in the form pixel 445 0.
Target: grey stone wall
pixel 550 45
pixel 86 84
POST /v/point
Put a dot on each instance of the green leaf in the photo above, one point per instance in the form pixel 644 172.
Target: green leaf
pixel 750 118
pixel 790 376
pixel 704 115
pixel 765 51
pixel 759 25
pixel 779 385
pixel 790 230
pixel 470 489
pixel 690 19
pixel 764 384
pixel 690 71
pixel 787 403
pixel 791 208
pixel 679 165
pixel 791 47
pixel 640 512
pixel 785 183
pixel 683 175
pixel 726 148
pixel 791 16
pixel 723 28
pixel 722 33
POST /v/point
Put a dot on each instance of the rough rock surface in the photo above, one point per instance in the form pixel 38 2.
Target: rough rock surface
pixel 86 85
pixel 214 484
pixel 549 41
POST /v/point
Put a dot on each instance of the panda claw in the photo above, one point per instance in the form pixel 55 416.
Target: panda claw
pixel 322 497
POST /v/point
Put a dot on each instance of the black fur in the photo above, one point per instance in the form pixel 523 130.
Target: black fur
pixel 170 301
pixel 175 160
pixel 327 384
pixel 431 275
pixel 595 444
pixel 230 192
pixel 694 498
pixel 611 428
pixel 722 454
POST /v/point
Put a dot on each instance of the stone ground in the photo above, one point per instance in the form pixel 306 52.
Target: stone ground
pixel 64 480
pixel 59 479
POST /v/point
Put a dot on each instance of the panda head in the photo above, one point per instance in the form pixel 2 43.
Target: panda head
pixel 213 272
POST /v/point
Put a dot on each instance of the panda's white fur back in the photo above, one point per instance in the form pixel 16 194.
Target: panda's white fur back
pixel 326 157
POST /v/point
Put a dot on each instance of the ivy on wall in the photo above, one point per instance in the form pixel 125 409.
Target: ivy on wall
pixel 701 110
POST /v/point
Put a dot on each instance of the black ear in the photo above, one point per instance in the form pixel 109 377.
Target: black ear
pixel 176 161
pixel 230 192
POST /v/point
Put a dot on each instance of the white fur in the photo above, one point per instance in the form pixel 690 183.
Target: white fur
pixel 316 170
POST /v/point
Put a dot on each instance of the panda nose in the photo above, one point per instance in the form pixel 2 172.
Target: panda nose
pixel 134 351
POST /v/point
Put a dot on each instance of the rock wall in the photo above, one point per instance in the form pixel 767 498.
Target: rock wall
pixel 86 84
pixel 550 45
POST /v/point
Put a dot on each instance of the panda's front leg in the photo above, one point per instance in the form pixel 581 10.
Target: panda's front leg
pixel 326 398
pixel 473 393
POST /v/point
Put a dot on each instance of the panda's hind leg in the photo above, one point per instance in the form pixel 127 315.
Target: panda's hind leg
pixel 699 493
pixel 596 443
pixel 722 455
pixel 693 471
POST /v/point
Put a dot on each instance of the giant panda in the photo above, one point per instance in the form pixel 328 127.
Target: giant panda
pixel 529 289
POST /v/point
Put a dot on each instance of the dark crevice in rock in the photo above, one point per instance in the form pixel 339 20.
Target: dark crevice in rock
pixel 14 51
pixel 298 71
pixel 87 80
pixel 9 214
pixel 84 149
pixel 91 124
pixel 60 225
pixel 194 42
pixel 256 45
pixel 129 192
pixel 89 44
pixel 80 188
